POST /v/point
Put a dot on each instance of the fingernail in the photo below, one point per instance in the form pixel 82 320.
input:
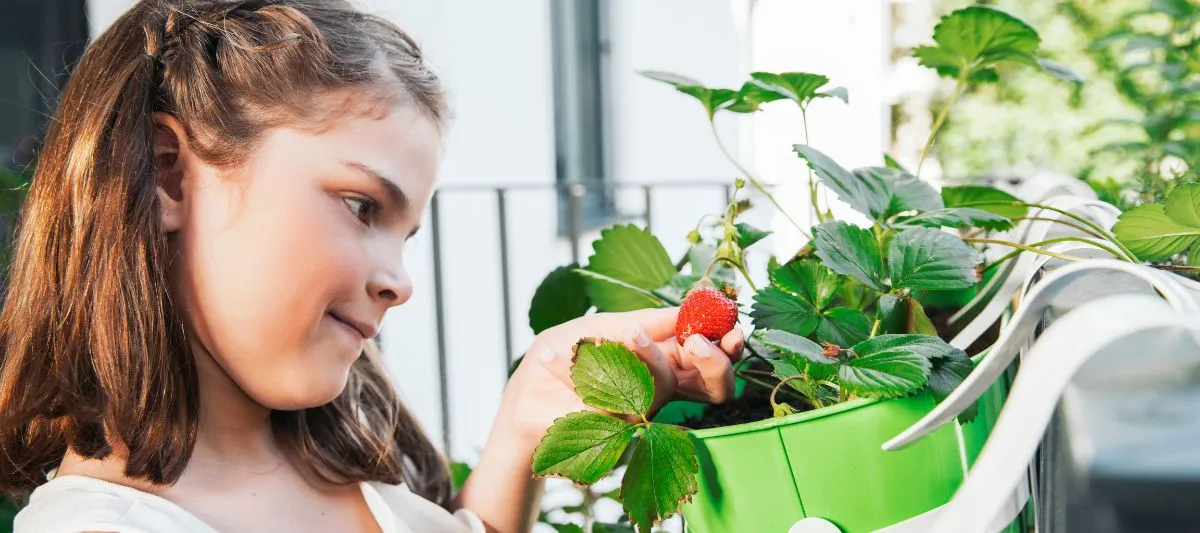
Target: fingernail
pixel 641 339
pixel 699 346
pixel 547 355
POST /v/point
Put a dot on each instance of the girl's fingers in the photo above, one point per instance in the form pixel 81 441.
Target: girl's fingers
pixel 646 349
pixel 733 343
pixel 713 365
pixel 557 363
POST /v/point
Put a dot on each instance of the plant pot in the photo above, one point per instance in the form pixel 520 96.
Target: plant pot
pixel 764 476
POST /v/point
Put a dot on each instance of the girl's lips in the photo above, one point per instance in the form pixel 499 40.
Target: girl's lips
pixel 362 331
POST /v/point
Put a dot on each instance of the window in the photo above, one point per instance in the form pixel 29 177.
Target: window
pixel 580 128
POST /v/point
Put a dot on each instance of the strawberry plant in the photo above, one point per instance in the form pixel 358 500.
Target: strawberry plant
pixel 840 318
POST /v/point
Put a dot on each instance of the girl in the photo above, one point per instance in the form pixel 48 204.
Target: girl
pixel 213 234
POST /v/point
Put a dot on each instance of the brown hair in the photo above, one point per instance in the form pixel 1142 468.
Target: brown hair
pixel 93 350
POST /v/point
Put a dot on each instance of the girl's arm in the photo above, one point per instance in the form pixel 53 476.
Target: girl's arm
pixel 501 489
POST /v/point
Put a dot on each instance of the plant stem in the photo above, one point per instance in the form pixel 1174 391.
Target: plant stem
pixel 779 385
pixel 959 85
pixel 742 269
pixel 766 385
pixel 812 184
pixel 754 181
pixel 1178 268
pixel 1101 231
pixel 1023 247
pixel 1083 229
pixel 1015 253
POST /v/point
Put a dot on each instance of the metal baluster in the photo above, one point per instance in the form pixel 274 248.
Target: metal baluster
pixel 440 316
pixel 505 295
pixel 576 193
pixel 649 199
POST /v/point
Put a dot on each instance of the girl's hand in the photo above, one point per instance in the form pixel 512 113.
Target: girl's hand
pixel 541 389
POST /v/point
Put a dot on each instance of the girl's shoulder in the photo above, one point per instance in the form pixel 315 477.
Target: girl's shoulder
pixel 70 504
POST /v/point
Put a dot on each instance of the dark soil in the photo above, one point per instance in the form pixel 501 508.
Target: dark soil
pixel 754 403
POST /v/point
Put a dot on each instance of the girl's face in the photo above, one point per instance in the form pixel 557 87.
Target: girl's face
pixel 285 270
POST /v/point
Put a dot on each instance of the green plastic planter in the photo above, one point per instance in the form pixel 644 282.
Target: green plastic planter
pixel 764 476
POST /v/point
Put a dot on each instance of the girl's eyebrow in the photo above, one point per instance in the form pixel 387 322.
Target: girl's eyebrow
pixel 394 192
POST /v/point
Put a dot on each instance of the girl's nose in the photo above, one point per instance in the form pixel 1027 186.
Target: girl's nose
pixel 391 285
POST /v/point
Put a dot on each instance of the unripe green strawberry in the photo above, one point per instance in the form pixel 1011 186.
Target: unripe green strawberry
pixel 707 311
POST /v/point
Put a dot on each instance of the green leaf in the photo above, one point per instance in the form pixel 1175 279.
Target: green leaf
pixel 713 100
pixel 747 235
pixel 890 162
pixel 661 475
pixel 886 366
pixel 631 254
pixel 1152 235
pixel 918 321
pixel 613 295
pixel 679 286
pixel 793 346
pixel 1059 70
pixel 841 93
pixel 582 446
pixel 926 346
pixel 957 217
pixel 850 250
pixel 776 309
pixel 923 258
pixel 946 374
pixel 567 528
pixel 1183 204
pixel 808 279
pixel 610 377
pixel 907 192
pixel 459 473
pixel 866 193
pixel 843 326
pixel 892 314
pixel 977 38
pixel 800 87
pixel 989 199
pixel 598 527
pixel 561 297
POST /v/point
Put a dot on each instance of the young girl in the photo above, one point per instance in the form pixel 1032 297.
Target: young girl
pixel 214 232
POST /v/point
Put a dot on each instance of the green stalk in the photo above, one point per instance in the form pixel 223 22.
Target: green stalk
pixel 1099 231
pixel 1015 253
pixel 959 85
pixel 812 184
pixel 1083 229
pixel 1023 247
pixel 753 181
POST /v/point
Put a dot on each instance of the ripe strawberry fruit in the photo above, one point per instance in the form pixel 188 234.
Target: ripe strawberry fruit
pixel 707 311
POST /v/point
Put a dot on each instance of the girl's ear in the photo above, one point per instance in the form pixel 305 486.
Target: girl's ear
pixel 171 154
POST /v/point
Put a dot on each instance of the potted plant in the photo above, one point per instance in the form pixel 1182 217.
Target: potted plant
pixel 843 355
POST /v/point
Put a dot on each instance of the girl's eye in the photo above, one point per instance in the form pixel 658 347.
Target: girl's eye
pixel 365 209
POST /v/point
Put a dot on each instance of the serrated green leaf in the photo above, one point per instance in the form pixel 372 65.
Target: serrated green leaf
pixel 661 475
pixel 459 472
pixel 989 199
pixel 800 87
pixel 679 286
pixel 808 279
pixel 713 99
pixel 957 217
pixel 631 254
pixel 748 235
pixel 850 250
pixel 977 38
pixel 907 193
pixel 609 376
pixel 613 295
pixel 1152 235
pixel 946 374
pixel 566 528
pixel 889 366
pixel 671 78
pixel 867 193
pixel 582 446
pixel 560 297
pixel 923 258
pixel 776 309
pixel 783 369
pixel 918 321
pixel 801 350
pixel 843 326
pixel 611 528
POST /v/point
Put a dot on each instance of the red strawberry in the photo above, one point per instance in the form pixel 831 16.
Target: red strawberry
pixel 706 311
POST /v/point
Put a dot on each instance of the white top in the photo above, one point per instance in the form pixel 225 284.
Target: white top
pixel 72 503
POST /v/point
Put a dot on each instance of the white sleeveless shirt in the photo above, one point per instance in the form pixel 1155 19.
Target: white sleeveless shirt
pixel 72 503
